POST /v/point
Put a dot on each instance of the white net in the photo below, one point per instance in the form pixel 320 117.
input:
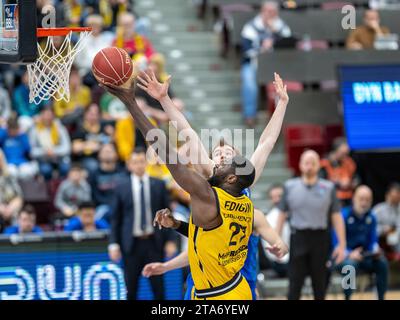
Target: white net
pixel 49 74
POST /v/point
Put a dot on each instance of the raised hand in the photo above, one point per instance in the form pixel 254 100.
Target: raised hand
pixel 164 218
pixel 280 88
pixel 149 83
pixel 121 93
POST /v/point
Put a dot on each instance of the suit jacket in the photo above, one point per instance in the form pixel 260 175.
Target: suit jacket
pixel 122 214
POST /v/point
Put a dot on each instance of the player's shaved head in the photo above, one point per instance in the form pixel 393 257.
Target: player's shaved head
pixel 235 176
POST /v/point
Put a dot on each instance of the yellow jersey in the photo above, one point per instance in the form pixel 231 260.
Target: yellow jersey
pixel 217 255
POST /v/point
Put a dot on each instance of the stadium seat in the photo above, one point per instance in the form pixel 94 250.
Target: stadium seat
pixel 300 137
pixel 333 131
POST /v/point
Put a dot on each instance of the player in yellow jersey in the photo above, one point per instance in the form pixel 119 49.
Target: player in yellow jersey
pixel 221 219
pixel 216 255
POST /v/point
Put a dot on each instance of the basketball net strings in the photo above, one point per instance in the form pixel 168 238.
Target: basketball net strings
pixel 49 74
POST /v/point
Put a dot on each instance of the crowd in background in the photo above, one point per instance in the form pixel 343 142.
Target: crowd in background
pixel 268 31
pixel 82 146
pixel 78 148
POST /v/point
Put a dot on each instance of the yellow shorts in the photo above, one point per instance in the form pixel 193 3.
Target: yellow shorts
pixel 241 292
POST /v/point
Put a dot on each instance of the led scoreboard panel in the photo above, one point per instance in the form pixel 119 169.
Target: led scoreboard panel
pixel 62 266
pixel 371 106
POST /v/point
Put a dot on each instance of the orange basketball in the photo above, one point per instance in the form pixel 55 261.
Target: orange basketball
pixel 112 66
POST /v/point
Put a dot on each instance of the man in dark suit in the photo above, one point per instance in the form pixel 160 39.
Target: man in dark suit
pixel 133 237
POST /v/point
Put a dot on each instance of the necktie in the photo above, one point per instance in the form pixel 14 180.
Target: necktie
pixel 143 217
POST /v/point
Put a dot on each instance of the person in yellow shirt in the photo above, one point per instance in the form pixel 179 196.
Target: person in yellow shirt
pixel 73 110
pixel 74 12
pixel 128 136
pixel 133 43
pixel 156 169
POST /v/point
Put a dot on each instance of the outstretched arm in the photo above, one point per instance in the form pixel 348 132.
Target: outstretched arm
pixel 149 83
pixel 158 268
pixel 281 222
pixel 269 234
pixel 204 211
pixel 272 131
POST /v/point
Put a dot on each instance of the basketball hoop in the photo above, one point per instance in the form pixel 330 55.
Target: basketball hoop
pixel 49 74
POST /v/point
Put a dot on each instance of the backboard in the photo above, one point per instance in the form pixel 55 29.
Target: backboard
pixel 18 40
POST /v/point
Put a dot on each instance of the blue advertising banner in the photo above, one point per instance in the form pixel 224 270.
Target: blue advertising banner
pixel 63 275
pixel 371 102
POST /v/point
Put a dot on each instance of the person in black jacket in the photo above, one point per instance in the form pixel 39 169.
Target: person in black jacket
pixel 104 180
pixel 133 237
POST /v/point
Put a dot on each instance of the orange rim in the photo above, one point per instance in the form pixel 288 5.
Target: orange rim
pixel 48 32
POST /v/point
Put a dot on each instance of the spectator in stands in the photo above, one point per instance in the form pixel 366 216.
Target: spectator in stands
pixel 109 10
pixel 76 11
pixel 50 144
pixel 25 109
pixel 88 137
pixel 96 41
pixel 127 136
pixel 258 36
pixel 5 106
pixel 136 45
pixel 72 192
pixel 70 112
pixel 10 195
pixel 85 219
pixel 363 37
pixel 388 217
pixel 180 198
pixel 104 180
pixel 112 109
pixel 340 168
pixel 26 222
pixel 363 250
pixel 133 237
pixel 311 205
pixel 16 147
pixel 280 266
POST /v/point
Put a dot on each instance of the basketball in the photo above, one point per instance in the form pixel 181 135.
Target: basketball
pixel 113 66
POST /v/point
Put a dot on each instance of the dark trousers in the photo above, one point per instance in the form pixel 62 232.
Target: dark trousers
pixel 143 251
pixel 377 266
pixel 309 251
